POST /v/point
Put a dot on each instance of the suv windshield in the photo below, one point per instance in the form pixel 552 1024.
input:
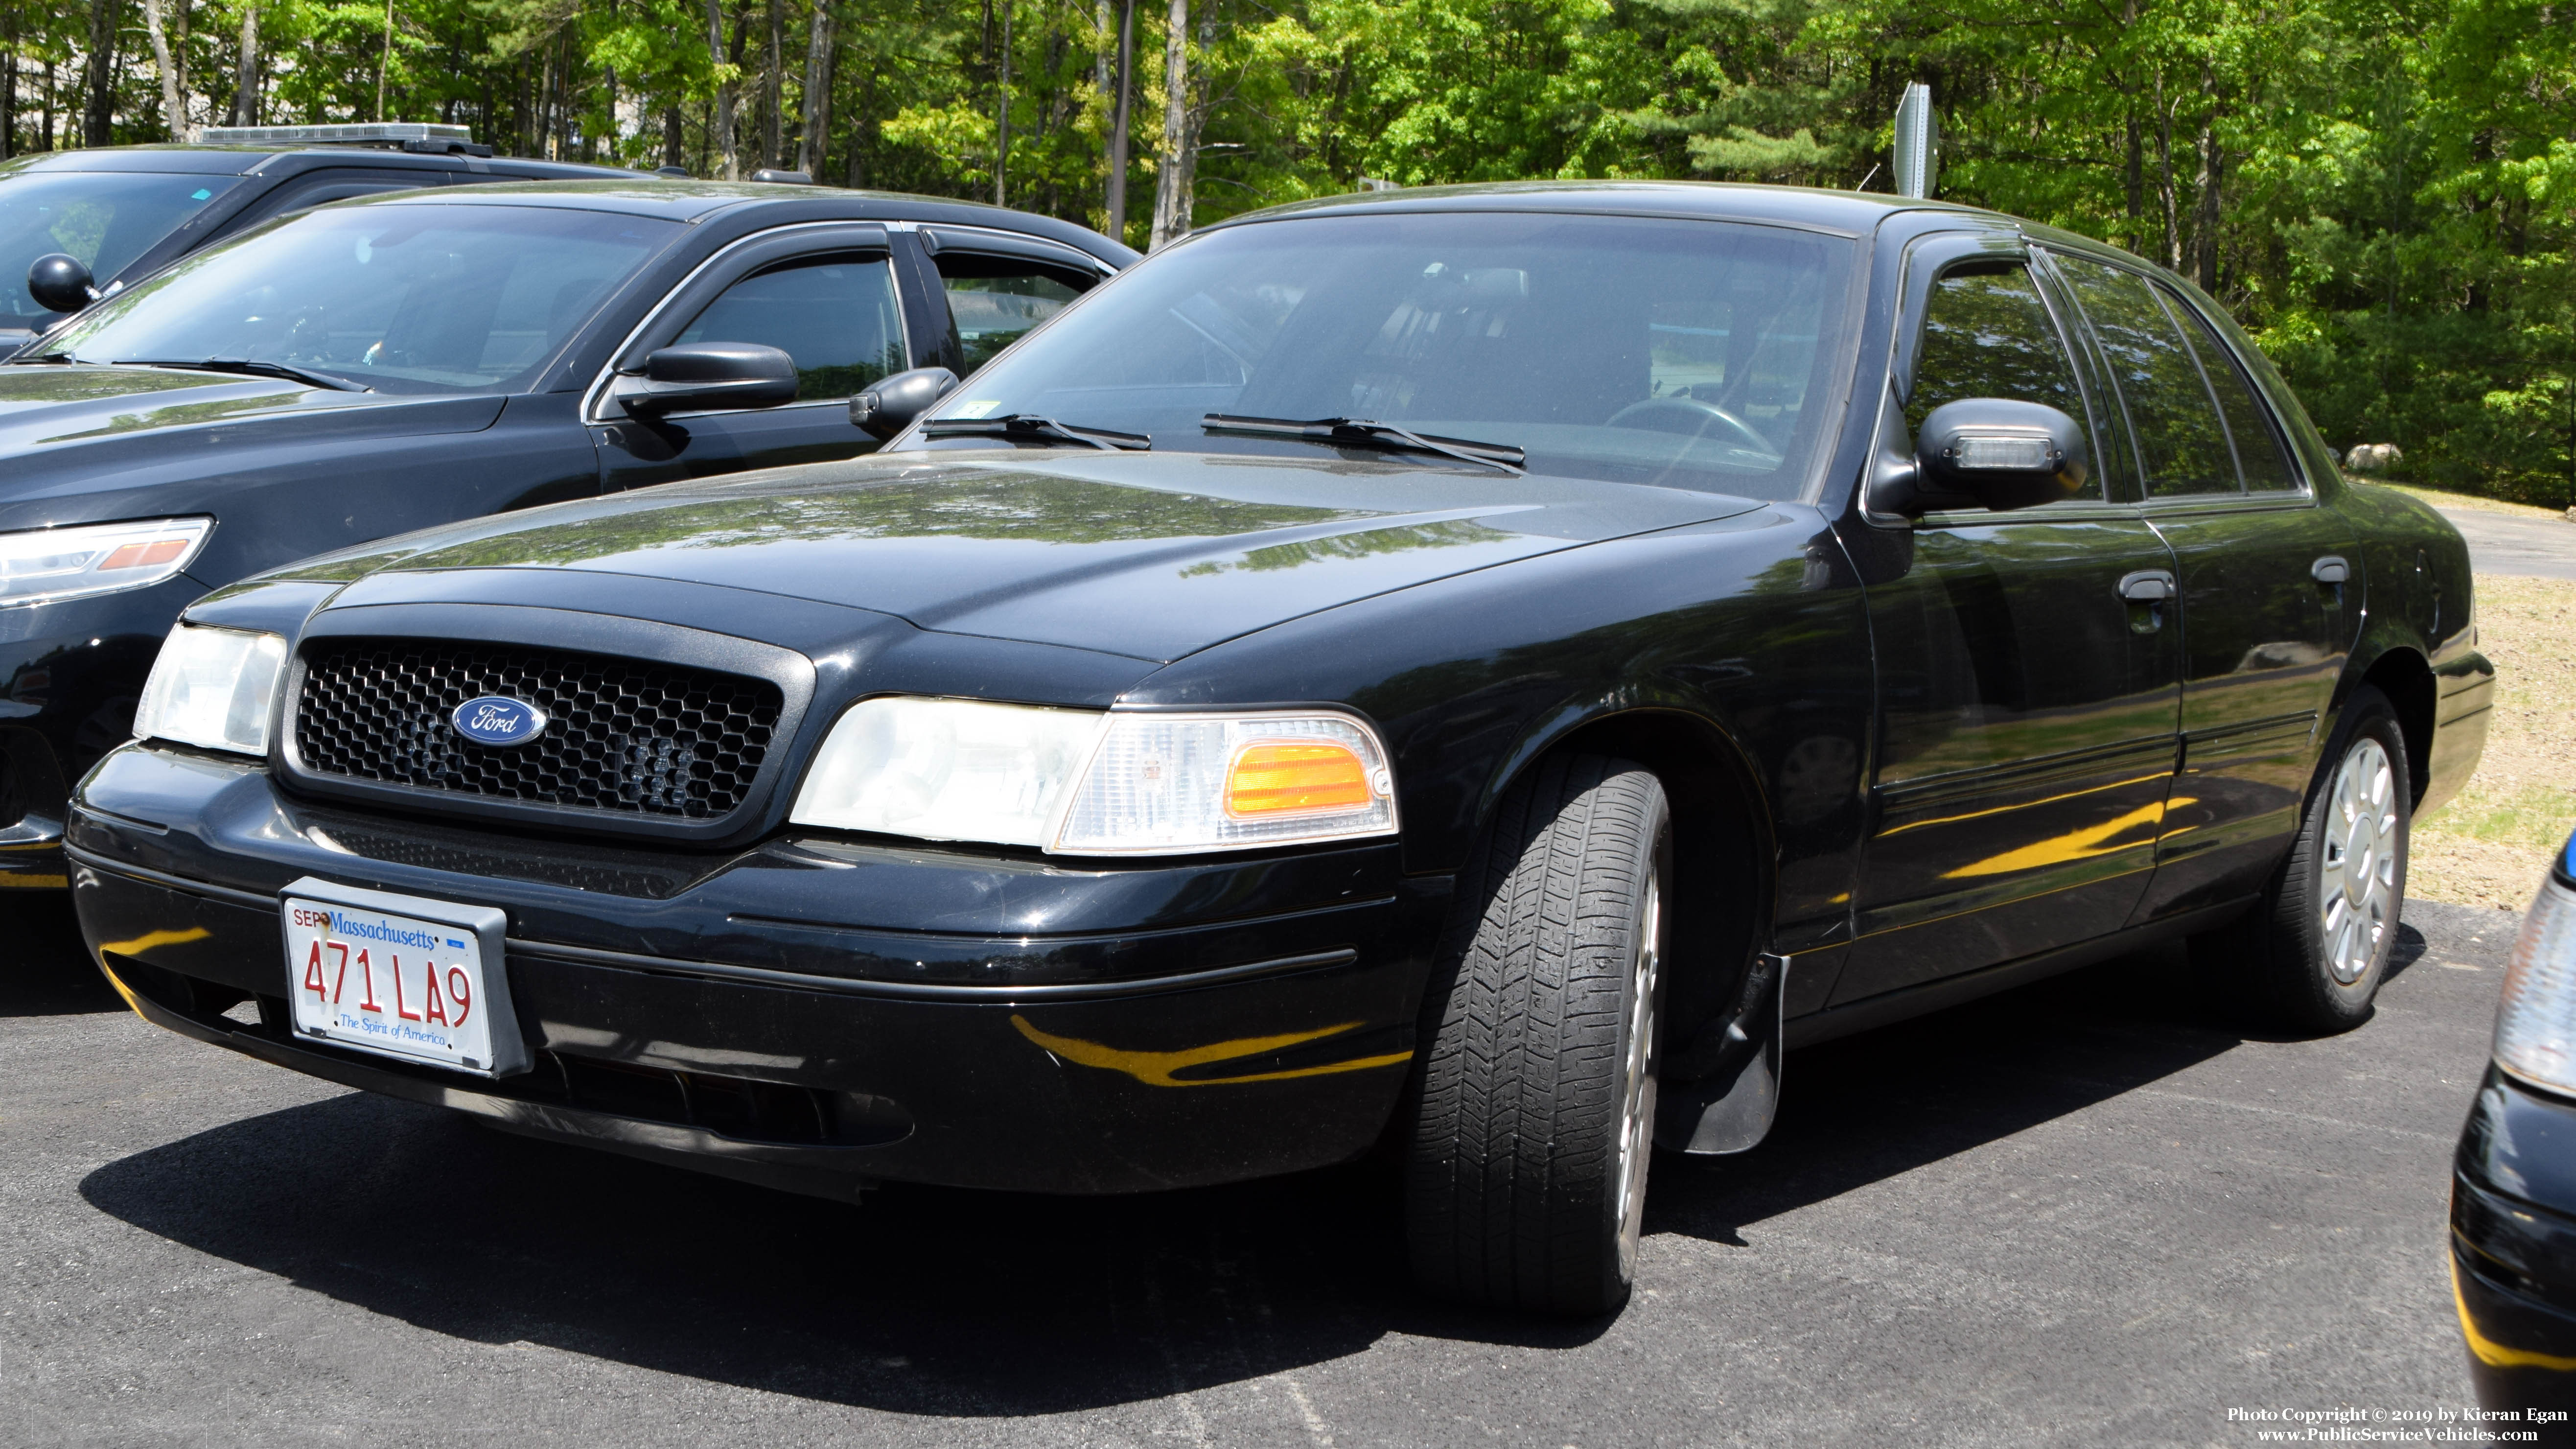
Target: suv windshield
pixel 105 218
pixel 1690 354
pixel 450 297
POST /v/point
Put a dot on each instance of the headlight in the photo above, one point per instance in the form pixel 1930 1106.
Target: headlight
pixel 2536 1025
pixel 43 565
pixel 1077 782
pixel 212 687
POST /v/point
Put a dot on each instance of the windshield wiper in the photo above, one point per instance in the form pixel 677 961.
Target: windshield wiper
pixel 1369 433
pixel 249 367
pixel 58 359
pixel 1031 425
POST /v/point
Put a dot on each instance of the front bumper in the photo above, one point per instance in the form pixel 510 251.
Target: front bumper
pixel 817 1013
pixel 2513 1245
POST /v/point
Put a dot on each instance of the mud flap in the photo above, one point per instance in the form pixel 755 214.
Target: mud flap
pixel 1718 1093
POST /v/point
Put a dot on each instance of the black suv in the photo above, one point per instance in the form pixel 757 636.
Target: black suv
pixel 125 211
pixel 390 363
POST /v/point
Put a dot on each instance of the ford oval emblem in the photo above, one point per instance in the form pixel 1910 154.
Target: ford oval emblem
pixel 497 719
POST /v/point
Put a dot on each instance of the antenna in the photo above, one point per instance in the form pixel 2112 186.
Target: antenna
pixel 1918 142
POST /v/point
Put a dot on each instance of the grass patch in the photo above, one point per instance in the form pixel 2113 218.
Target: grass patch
pixel 2441 497
pixel 2492 844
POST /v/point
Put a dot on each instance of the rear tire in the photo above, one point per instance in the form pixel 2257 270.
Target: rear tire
pixel 1525 1174
pixel 2310 957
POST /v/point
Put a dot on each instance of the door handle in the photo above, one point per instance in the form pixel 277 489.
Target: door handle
pixel 2147 586
pixel 2330 570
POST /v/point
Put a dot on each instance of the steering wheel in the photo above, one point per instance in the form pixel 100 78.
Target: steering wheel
pixel 1681 408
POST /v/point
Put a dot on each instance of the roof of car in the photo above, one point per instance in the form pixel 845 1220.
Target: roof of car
pixel 231 160
pixel 1854 212
pixel 691 201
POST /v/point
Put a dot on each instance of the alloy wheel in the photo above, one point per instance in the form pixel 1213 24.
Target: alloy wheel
pixel 1637 1090
pixel 2357 870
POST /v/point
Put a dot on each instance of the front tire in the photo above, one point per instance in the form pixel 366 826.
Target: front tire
pixel 2311 957
pixel 1525 1175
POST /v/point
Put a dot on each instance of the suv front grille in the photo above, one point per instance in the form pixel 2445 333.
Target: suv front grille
pixel 624 735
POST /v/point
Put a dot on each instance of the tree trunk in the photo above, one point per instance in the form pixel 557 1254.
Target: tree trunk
pixel 246 72
pixel 98 126
pixel 675 144
pixel 815 126
pixel 774 89
pixel 1173 172
pixel 174 108
pixel 2165 172
pixel 2205 235
pixel 728 160
pixel 1116 201
pixel 9 88
pixel 1002 121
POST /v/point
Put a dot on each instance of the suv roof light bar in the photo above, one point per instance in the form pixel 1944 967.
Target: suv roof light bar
pixel 404 135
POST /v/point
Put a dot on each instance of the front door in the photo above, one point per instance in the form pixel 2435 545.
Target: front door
pixel 2264 623
pixel 2027 704
pixel 830 304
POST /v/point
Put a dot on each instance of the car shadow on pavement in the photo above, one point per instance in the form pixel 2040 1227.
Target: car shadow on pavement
pixel 1883 1103
pixel 920 1300
pixel 48 971
pixel 934 1301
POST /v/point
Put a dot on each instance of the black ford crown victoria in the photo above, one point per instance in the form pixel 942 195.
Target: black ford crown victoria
pixel 1482 671
pixel 378 366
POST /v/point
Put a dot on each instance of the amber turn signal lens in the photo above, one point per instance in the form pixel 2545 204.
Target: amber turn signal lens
pixel 143 555
pixel 1290 779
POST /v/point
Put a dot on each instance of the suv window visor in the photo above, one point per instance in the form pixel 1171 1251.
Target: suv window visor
pixel 399 299
pixel 104 218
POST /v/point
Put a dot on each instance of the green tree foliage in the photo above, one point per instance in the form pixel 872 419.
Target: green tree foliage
pixel 2380 189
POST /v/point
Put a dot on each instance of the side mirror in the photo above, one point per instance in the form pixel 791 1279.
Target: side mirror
pixel 60 283
pixel 1998 454
pixel 698 376
pixel 889 407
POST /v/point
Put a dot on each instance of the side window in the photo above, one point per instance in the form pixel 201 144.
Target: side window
pixel 2258 444
pixel 994 300
pixel 2180 439
pixel 1986 333
pixel 835 315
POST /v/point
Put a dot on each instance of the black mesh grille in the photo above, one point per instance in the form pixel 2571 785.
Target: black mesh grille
pixel 625 735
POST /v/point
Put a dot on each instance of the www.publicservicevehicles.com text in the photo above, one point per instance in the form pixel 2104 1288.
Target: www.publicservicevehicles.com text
pixel 2438 1425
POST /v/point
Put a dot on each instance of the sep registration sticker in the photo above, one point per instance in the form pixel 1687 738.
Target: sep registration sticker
pixel 386 983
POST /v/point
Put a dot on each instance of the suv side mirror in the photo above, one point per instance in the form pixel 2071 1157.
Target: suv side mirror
pixel 1998 454
pixel 59 282
pixel 698 376
pixel 889 407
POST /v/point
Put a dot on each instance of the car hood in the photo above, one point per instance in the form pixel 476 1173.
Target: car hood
pixel 72 430
pixel 1152 556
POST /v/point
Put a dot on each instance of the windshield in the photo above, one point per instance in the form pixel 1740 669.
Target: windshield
pixel 105 218
pixel 1689 354
pixel 417 299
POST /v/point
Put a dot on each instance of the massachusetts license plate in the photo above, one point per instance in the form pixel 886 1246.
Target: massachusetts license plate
pixel 400 976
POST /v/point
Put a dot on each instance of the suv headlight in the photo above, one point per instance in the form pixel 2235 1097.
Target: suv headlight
pixel 2536 1024
pixel 212 688
pixel 1080 782
pixel 47 565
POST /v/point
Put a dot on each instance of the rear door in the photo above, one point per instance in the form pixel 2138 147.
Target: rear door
pixel 828 296
pixel 2027 704
pixel 2264 628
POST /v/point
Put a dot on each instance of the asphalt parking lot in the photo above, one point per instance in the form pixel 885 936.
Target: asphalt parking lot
pixel 2514 543
pixel 2086 1212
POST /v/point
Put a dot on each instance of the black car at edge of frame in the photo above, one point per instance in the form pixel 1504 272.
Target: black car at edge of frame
pixel 124 212
pixel 2513 1183
pixel 384 364
pixel 1477 673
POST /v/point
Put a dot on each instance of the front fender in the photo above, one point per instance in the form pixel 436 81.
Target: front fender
pixel 1752 628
